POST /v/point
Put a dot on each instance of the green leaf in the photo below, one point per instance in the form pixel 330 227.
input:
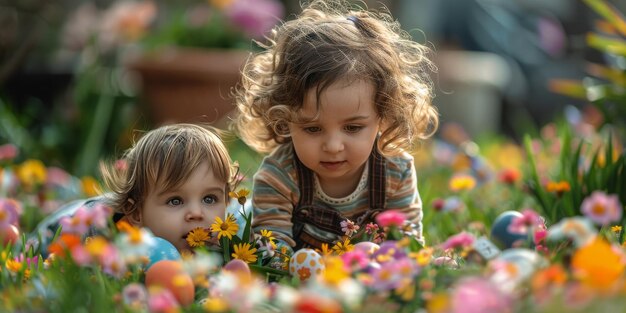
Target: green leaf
pixel 248 227
pixel 607 44
pixel 609 13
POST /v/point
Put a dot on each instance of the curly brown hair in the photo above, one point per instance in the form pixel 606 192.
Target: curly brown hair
pixel 327 42
pixel 167 156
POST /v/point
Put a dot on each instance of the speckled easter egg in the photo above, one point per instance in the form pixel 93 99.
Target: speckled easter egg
pixel 162 250
pixel 170 274
pixel 306 263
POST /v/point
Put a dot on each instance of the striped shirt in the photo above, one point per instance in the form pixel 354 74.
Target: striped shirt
pixel 276 193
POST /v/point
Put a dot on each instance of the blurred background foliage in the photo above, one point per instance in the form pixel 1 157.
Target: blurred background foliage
pixel 505 67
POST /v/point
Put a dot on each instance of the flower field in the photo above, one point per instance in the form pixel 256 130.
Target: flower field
pixel 535 225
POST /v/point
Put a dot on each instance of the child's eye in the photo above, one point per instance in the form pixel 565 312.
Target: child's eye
pixel 175 201
pixel 312 129
pixel 210 199
pixel 353 128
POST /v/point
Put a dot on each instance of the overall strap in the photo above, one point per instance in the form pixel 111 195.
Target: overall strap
pixel 377 179
pixel 305 183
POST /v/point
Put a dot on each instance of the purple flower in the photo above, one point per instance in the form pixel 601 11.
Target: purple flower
pixel 135 295
pixel 9 212
pixel 601 208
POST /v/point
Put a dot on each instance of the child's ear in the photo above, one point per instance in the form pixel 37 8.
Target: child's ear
pixel 135 218
pixel 134 213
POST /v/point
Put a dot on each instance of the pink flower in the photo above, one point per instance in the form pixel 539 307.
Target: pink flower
pixel 112 262
pixel 529 221
pixel 355 260
pixel 460 240
pixel 29 261
pixel 371 228
pixel 162 300
pixel 601 208
pixel 57 177
pixel 8 152
pixel 255 17
pixel 390 218
pixel 84 218
pixel 477 295
pixel 349 228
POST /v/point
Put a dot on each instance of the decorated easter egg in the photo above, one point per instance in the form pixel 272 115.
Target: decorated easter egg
pixel 306 263
pixel 169 274
pixel 162 250
pixel 237 266
pixel 10 235
pixel 367 247
pixel 500 229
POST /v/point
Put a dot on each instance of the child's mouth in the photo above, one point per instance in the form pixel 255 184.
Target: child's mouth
pixel 332 165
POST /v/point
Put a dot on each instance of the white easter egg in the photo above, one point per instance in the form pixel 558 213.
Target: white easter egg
pixel 306 263
pixel 367 247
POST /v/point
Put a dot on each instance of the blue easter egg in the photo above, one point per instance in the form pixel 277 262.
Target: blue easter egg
pixel 500 229
pixel 162 250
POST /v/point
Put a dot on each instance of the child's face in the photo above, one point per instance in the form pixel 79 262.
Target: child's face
pixel 337 145
pixel 171 214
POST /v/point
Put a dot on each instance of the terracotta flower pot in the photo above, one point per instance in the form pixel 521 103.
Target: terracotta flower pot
pixel 189 85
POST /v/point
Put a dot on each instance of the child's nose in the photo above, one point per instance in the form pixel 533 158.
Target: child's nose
pixel 194 213
pixel 333 144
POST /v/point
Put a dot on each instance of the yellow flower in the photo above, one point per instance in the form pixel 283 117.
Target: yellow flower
pixel 96 246
pixel 462 182
pixel 616 229
pixel 198 237
pixel 267 234
pixel 228 227
pixel 32 173
pixel 335 271
pixel 422 257
pixel 324 251
pixel 438 303
pixel 244 253
pixel 13 266
pixel 240 195
pixel 597 265
pixel 91 188
pixel 343 247
pixel 215 305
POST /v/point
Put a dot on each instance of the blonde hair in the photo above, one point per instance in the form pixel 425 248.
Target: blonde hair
pixel 166 156
pixel 327 42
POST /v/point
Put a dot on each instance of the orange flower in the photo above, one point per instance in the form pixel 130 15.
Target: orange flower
pixel 558 187
pixel 65 243
pixel 552 275
pixel 598 265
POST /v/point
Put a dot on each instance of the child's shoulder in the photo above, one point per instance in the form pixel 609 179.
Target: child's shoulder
pixel 399 162
pixel 283 156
